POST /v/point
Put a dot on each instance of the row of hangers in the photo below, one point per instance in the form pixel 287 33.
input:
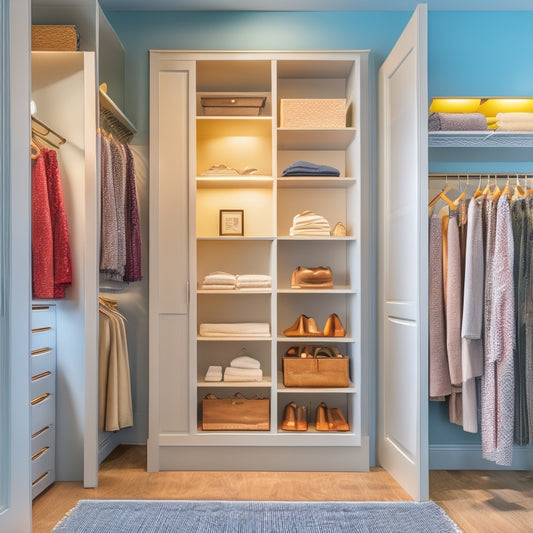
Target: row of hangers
pixel 108 307
pixel 491 189
pixel 42 136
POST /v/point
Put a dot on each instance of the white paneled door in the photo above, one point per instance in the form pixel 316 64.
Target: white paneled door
pixel 402 282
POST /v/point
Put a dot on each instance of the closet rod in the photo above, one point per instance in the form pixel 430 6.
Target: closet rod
pixel 108 106
pixel 474 175
pixel 48 130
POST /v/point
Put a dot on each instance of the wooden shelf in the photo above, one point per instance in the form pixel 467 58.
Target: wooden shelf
pixel 306 182
pixel 234 182
pixel 337 289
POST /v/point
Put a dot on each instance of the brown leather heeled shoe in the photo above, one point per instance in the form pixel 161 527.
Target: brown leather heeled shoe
pixel 301 418
pixel 334 327
pixel 336 420
pixel 312 278
pixel 289 417
pixel 321 418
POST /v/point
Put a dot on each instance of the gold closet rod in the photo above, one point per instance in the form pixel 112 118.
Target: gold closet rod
pixel 47 131
pixel 474 175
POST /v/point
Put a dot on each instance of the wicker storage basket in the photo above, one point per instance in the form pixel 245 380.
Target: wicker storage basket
pixel 229 414
pixel 313 113
pixel 46 38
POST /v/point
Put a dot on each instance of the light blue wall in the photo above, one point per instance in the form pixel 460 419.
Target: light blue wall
pixel 470 53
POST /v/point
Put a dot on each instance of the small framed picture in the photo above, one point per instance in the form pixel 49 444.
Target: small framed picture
pixel 231 222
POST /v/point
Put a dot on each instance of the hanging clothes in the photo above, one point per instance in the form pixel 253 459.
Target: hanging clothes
pixel 120 254
pixel 114 382
pixel 51 254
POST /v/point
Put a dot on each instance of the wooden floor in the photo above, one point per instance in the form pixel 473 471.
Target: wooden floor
pixel 487 502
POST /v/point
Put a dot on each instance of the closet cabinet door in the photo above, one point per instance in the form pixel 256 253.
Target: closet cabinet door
pixel 171 128
pixel 402 288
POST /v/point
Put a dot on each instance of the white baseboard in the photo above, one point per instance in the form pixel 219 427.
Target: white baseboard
pixel 108 441
pixel 469 457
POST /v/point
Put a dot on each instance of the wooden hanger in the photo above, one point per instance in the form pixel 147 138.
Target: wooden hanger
pixel 478 192
pixel 487 191
pixel 35 151
pixel 440 196
pixel 462 196
pixel 505 191
pixel 518 191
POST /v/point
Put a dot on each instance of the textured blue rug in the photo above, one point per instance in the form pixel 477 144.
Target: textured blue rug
pixel 170 516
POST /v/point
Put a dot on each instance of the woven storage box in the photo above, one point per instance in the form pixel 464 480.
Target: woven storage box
pixel 313 113
pixel 236 414
pixel 47 38
pixel 232 105
pixel 302 372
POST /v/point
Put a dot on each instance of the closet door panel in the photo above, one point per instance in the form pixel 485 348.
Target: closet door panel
pixel 173 191
pixel 402 256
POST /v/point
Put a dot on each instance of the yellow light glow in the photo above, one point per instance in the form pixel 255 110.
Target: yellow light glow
pixel 455 105
pixel 492 106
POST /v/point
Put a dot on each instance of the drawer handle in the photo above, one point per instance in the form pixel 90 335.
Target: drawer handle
pixel 39 453
pixel 40 330
pixel 42 476
pixel 42 375
pixel 40 398
pixel 40 307
pixel 40 432
pixel 41 351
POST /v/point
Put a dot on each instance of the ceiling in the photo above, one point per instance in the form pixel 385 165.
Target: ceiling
pixel 315 5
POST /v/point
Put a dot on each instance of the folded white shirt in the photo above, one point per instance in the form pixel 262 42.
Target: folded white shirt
pixel 252 329
pixel 214 373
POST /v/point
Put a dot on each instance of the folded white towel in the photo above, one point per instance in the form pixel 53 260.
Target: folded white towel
pixel 310 232
pixel 219 278
pixel 214 373
pixel 218 287
pixel 244 278
pixel 245 361
pixel 243 374
pixel 514 121
pixel 250 329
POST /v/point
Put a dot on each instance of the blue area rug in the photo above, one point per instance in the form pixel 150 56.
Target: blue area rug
pixel 169 516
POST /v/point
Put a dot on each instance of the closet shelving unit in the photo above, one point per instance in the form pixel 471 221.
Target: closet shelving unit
pixel 480 139
pixel 270 203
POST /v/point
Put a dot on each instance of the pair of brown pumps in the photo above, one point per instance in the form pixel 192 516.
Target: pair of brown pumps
pixel 306 327
pixel 327 419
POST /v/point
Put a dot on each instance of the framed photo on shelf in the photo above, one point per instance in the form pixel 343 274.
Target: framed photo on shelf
pixel 231 222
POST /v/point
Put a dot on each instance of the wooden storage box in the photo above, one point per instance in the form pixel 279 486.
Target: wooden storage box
pixel 232 105
pixel 230 414
pixel 313 113
pixel 53 38
pixel 303 372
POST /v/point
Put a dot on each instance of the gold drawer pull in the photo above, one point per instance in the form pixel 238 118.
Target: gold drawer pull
pixel 40 432
pixel 42 476
pixel 40 330
pixel 39 453
pixel 40 351
pixel 42 375
pixel 40 398
pixel 40 307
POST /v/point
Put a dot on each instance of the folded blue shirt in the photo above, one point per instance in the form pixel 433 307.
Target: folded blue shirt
pixel 304 168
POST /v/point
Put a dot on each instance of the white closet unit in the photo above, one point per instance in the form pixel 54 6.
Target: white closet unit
pixel 185 246
pixel 63 88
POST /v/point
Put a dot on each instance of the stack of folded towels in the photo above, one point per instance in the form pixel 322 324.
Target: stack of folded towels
pixel 309 224
pixel 219 281
pixel 224 281
pixel 304 168
pixel 238 329
pixel 242 368
pixel 514 121
pixel 457 122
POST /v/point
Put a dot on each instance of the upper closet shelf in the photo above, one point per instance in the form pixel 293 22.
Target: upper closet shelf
pixel 234 182
pixel 315 139
pixel 114 117
pixel 307 182
pixel 483 139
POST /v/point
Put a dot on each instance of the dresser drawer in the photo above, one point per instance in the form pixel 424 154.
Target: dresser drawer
pixel 43 338
pixel 45 437
pixel 43 413
pixel 42 461
pixel 43 316
pixel 43 481
pixel 42 360
pixel 45 384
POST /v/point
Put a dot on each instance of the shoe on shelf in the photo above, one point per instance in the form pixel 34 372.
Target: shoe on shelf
pixel 289 417
pixel 312 278
pixel 333 327
pixel 336 420
pixel 301 418
pixel 303 327
pixel 322 418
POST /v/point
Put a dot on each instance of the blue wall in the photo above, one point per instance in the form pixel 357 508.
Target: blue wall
pixel 470 53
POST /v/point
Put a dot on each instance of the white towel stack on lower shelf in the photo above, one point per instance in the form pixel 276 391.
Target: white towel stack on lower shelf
pixel 253 281
pixel 243 368
pixel 219 281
